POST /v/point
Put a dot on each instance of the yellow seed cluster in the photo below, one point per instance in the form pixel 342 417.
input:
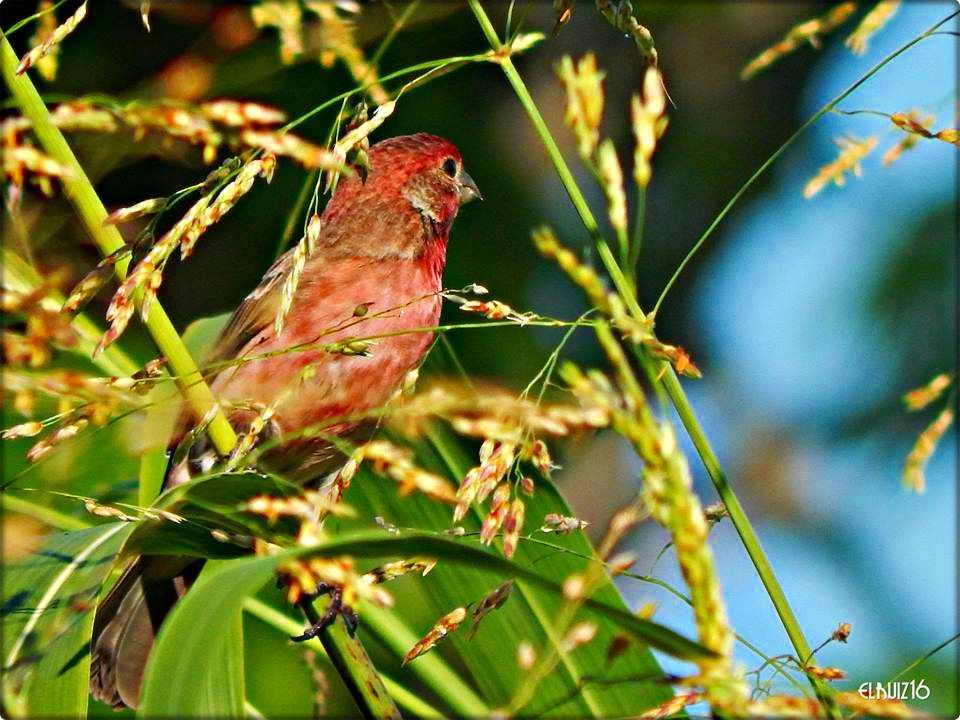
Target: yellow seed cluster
pixel 212 125
pixel 671 707
pixel 921 397
pixel 581 273
pixel 52 39
pixel 144 207
pixel 859 39
pixel 637 331
pixel 360 133
pixel 916 462
pixel 622 521
pixel 302 576
pixel 583 84
pixel 668 494
pixel 915 126
pixel 397 463
pixel 23 159
pixel 392 570
pixel 824 673
pixel 78 398
pixel 649 124
pixel 287 18
pixel 562 524
pixel 611 179
pixel 147 275
pixel 877 707
pixel 806 32
pixel 330 39
pixel 304 249
pixel 46 26
pixel 496 460
pixel 495 414
pixel 852 151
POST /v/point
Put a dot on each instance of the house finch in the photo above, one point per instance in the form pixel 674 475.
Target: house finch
pixel 375 272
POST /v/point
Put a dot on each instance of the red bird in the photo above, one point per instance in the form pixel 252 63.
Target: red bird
pixel 375 271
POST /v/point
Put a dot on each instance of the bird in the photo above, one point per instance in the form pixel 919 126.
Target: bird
pixel 375 271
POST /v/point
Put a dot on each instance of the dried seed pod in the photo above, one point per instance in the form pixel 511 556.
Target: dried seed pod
pixel 447 624
pixel 52 40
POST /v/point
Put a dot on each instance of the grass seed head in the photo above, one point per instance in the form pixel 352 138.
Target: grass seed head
pixel 583 84
pixel 51 41
pixel 859 40
pixel 852 151
pixel 446 625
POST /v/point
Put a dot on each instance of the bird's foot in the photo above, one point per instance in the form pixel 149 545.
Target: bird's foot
pixel 335 607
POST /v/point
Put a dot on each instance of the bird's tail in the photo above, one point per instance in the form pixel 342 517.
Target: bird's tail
pixel 127 622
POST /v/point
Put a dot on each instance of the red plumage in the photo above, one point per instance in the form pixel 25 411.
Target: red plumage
pixel 382 244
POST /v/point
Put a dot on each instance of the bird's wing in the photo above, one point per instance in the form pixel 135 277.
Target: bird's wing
pixel 257 312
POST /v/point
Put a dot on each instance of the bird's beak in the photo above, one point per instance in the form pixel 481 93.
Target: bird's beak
pixel 468 188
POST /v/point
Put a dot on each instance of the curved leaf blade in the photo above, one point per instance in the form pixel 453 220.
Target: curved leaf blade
pixel 48 618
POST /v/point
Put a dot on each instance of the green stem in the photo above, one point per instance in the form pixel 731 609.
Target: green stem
pixel 638 226
pixel 350 658
pixel 346 650
pixel 737 515
pixel 81 194
pixel 773 158
pixel 288 626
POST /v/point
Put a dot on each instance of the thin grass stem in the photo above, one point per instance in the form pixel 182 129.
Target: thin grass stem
pixel 674 389
pixel 829 107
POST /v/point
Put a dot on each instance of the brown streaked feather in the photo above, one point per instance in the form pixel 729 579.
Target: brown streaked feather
pixel 257 311
pixel 127 621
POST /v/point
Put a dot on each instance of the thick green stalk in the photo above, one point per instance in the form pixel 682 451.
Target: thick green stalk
pixel 675 390
pixel 81 194
pixel 346 650
pixel 19 275
pixel 288 626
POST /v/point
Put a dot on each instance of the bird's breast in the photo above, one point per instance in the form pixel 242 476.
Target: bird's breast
pixel 356 328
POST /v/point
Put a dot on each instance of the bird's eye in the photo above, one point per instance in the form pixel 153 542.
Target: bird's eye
pixel 450 167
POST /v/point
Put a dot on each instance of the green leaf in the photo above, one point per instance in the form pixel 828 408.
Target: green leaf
pixel 191 642
pixel 531 612
pixel 201 334
pixel 48 618
pixel 208 504
pixel 205 626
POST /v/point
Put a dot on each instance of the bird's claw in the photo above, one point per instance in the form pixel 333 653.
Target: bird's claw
pixel 334 608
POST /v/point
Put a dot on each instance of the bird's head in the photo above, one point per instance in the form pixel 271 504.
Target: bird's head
pixel 410 196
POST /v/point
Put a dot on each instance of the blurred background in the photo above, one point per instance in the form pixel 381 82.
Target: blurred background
pixel 809 318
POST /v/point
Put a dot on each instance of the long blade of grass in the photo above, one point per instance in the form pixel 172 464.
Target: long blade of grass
pixel 48 618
